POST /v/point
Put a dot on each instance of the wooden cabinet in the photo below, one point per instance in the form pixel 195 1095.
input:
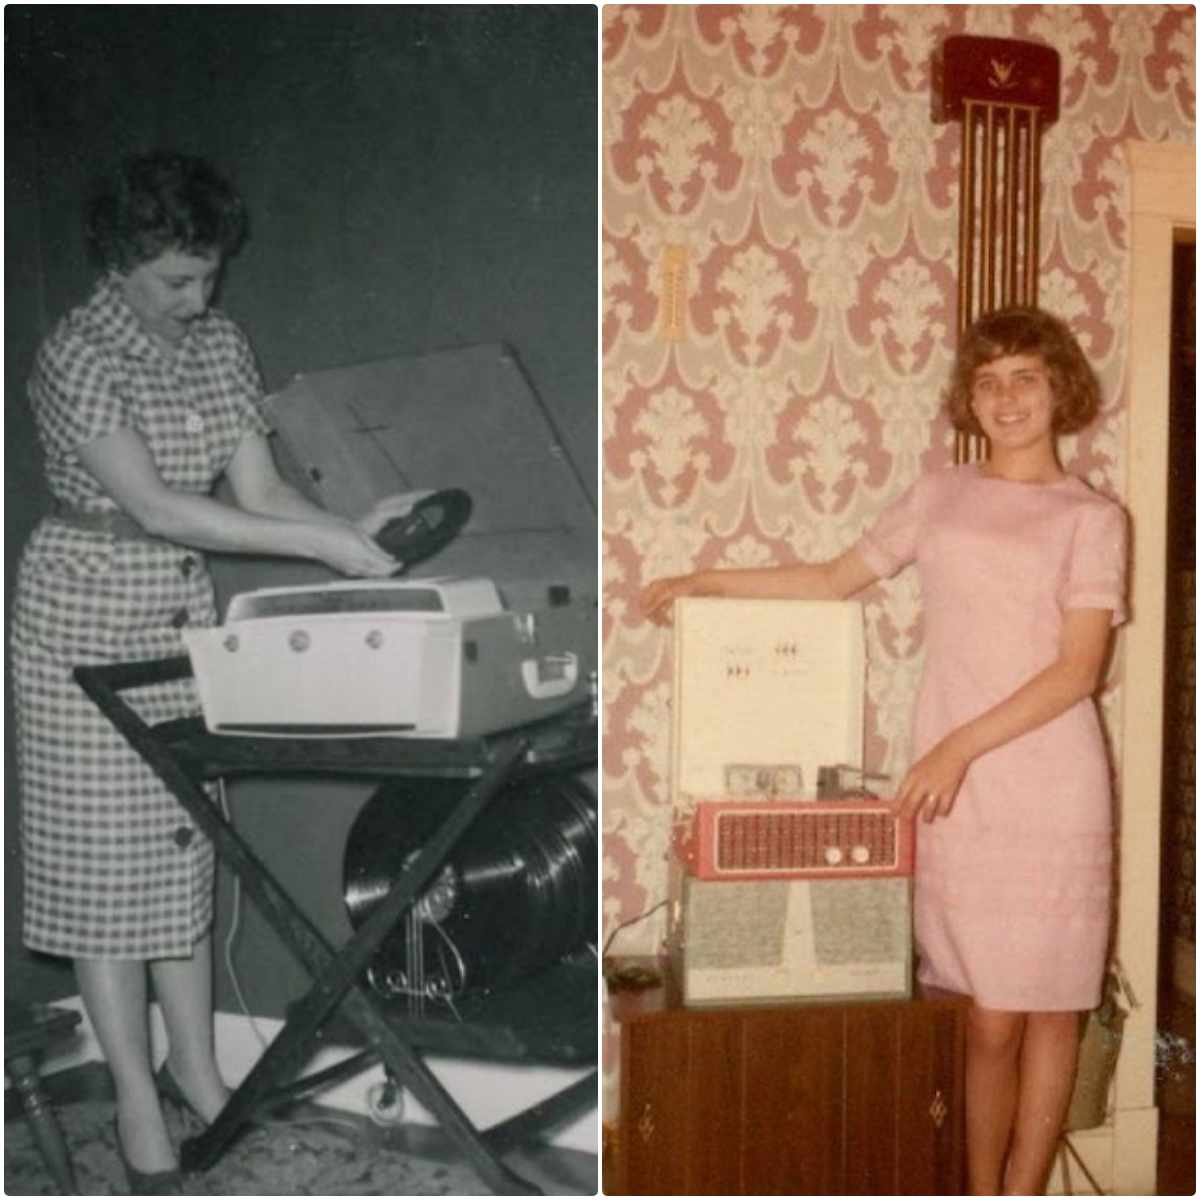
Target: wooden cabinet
pixel 851 1099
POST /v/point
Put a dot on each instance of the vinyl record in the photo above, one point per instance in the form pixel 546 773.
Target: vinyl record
pixel 432 523
pixel 516 894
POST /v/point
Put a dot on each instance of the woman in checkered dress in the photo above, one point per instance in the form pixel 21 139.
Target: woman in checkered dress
pixel 144 397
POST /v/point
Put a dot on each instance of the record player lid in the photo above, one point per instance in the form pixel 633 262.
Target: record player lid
pixel 464 418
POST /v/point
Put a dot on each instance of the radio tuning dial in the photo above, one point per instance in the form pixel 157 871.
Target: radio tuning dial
pixel 861 854
pixel 833 855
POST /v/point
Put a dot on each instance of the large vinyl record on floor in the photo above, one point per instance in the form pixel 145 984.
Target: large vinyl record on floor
pixel 517 893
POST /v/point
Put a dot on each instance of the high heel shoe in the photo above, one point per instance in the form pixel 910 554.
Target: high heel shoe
pixel 147 1183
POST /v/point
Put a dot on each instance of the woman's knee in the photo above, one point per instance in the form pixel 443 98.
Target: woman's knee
pixel 995 1034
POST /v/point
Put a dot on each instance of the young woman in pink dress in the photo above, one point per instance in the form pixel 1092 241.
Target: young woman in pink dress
pixel 1022 571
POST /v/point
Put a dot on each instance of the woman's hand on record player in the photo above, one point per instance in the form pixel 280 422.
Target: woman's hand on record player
pixel 658 598
pixel 388 509
pixel 931 786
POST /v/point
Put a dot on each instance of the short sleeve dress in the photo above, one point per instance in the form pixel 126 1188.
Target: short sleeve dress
pixel 1013 889
pixel 113 867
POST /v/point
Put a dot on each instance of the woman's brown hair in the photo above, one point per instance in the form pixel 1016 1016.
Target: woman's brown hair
pixel 1010 331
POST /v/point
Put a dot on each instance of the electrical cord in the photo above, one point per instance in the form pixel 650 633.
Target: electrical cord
pixel 631 922
pixel 375 1105
pixel 235 922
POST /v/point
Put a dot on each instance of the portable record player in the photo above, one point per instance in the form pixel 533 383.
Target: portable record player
pixel 431 658
pixel 466 419
pixel 512 527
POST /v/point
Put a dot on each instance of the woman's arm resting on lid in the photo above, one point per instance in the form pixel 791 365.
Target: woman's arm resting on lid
pixel 932 783
pixel 124 467
pixel 837 579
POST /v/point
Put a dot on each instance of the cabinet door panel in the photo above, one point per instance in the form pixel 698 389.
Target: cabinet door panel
pixel 930 1113
pixel 792 1141
pixel 652 1156
pixel 715 1098
pixel 875 1092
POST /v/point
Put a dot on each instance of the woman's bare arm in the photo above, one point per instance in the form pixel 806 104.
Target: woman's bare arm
pixel 931 785
pixel 837 579
pixel 122 464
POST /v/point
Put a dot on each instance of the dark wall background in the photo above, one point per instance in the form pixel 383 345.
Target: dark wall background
pixel 419 177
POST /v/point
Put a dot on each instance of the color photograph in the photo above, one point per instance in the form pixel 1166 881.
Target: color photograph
pixel 898 767
pixel 301 531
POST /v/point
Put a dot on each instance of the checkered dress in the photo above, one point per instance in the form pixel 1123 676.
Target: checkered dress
pixel 114 868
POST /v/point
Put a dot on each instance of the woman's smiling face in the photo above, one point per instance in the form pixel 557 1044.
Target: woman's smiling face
pixel 1013 400
pixel 170 291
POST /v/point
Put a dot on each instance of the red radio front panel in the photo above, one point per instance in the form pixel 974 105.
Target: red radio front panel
pixel 816 839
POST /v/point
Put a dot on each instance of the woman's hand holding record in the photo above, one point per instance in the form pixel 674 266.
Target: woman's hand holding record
pixel 423 526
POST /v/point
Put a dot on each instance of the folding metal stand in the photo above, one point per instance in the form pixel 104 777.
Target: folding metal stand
pixel 184 756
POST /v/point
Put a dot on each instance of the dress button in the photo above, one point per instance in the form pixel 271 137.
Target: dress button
pixel 183 836
pixel 187 566
pixel 180 618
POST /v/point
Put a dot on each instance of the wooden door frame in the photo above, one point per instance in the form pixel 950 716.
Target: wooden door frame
pixel 1162 180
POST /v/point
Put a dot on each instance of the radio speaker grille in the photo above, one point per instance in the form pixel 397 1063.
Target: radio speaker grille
pixel 803 840
pixel 791 939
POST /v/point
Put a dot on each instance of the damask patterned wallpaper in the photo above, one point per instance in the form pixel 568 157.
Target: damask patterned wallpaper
pixel 780 244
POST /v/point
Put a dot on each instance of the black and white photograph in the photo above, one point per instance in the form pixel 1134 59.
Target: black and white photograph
pixel 898 357
pixel 301 833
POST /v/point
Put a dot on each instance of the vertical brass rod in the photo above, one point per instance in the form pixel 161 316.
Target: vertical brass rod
pixel 1032 210
pixel 1027 215
pixel 966 248
pixel 1012 201
pixel 966 221
pixel 1021 221
pixel 987 248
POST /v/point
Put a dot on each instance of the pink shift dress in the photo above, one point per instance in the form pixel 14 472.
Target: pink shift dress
pixel 1013 889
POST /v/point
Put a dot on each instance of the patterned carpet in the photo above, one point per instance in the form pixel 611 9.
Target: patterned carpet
pixel 317 1155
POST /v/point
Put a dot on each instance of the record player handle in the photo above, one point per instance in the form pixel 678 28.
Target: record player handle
pixel 554 675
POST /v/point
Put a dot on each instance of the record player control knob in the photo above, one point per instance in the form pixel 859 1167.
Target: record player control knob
pixel 299 641
pixel 231 643
pixel 833 855
pixel 374 639
pixel 861 854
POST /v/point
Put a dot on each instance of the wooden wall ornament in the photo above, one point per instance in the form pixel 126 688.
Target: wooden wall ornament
pixel 1005 92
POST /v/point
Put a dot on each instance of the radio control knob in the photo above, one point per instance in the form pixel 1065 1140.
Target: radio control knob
pixel 833 855
pixel 861 855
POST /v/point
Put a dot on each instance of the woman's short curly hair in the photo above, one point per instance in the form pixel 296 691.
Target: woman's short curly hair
pixel 159 202
pixel 1010 331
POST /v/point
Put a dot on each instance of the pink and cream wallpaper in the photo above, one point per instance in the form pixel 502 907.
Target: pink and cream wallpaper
pixel 779 315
